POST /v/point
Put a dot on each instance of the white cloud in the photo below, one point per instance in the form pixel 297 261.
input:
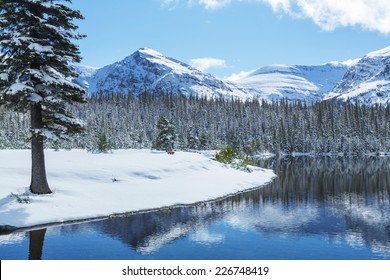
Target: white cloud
pixel 277 5
pixel 207 4
pixel 213 4
pixel 170 4
pixel 330 14
pixel 207 63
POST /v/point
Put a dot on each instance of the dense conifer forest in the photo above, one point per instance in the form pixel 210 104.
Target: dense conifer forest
pixel 122 121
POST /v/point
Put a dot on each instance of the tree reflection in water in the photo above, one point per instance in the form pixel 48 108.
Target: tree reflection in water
pixel 336 200
pixel 340 198
pixel 37 238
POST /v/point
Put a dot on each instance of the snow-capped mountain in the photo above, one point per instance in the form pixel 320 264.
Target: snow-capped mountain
pixel 368 82
pixel 149 70
pixel 293 82
pixel 85 74
pixel 365 80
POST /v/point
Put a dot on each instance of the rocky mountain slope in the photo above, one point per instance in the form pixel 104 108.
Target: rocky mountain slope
pixel 365 80
pixel 368 82
pixel 149 70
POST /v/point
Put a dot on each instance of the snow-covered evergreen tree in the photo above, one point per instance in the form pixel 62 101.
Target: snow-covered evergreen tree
pixel 100 144
pixel 193 142
pixel 37 47
pixel 251 127
pixel 166 135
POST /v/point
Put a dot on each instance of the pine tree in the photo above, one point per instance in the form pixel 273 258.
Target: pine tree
pixel 37 49
pixel 204 142
pixel 100 143
pixel 192 139
pixel 166 135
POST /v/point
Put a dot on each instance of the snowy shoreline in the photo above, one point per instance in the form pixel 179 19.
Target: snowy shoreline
pixel 93 186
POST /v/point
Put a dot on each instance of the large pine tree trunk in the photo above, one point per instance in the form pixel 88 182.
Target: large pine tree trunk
pixel 39 183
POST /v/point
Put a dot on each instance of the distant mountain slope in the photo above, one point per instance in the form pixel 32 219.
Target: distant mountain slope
pixel 293 82
pixel 85 74
pixel 149 70
pixel 368 82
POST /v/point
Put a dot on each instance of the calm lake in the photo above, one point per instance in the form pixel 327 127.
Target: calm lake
pixel 317 208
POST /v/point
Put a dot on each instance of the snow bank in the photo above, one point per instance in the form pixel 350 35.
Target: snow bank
pixel 89 185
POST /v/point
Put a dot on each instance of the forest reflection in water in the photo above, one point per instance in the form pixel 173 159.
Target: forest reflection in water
pixel 343 202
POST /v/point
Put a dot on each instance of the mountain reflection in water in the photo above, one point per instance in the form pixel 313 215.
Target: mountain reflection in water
pixel 342 202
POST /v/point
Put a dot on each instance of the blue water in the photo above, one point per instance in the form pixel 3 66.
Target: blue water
pixel 318 208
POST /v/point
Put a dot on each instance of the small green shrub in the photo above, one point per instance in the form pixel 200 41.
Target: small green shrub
pixel 22 198
pixel 227 155
pixel 245 160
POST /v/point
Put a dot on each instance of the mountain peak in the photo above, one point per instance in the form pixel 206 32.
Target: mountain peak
pixel 150 58
pixel 364 80
pixel 367 82
pixel 275 68
pixel 149 52
pixel 149 70
pixel 379 53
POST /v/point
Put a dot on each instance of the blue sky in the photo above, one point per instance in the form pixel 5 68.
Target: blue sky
pixel 224 37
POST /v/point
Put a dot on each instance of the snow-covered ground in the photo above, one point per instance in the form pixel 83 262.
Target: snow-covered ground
pixel 89 185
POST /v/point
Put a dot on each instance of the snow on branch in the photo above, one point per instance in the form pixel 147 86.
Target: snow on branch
pixel 35 98
pixel 4 76
pixel 67 119
pixel 19 87
pixel 40 49
pixel 45 133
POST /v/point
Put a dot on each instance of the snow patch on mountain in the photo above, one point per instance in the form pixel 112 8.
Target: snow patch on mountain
pixel 292 82
pixel 367 82
pixel 380 53
pixel 85 73
pixel 348 63
pixel 149 70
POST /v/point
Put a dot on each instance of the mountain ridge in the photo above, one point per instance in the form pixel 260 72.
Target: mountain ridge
pixel 149 70
pixel 292 82
pixel 365 80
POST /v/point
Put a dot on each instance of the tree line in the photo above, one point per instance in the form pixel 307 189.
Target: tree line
pixel 124 121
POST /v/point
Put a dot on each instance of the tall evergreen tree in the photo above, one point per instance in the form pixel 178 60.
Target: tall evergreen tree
pixel 166 134
pixel 37 50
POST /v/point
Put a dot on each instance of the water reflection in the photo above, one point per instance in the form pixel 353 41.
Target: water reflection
pixel 36 238
pixel 148 232
pixel 344 199
pixel 339 201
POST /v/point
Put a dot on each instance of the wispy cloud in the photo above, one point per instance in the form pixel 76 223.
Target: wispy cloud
pixel 327 14
pixel 170 4
pixel 330 14
pixel 207 4
pixel 206 63
pixel 277 5
pixel 213 4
